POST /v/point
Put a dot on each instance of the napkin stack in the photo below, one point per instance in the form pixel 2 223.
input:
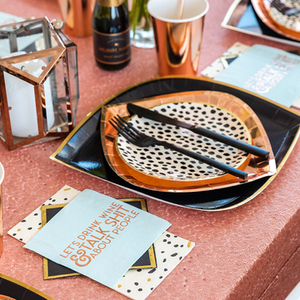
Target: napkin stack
pixel 267 71
pixel 96 232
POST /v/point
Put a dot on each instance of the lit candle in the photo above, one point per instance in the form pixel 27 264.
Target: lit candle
pixel 21 99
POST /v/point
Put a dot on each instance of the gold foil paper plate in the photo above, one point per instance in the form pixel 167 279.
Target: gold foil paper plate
pixel 273 20
pixel 160 169
pixel 288 23
pixel 164 164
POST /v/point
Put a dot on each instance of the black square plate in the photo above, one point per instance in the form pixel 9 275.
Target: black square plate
pixel 82 149
pixel 18 290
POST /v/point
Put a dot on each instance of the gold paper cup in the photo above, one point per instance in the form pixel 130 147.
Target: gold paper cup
pixel 1 221
pixel 178 41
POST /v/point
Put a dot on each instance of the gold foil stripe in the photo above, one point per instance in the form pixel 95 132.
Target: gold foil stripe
pixel 25 286
pixel 111 34
pixel 112 63
pixel 110 3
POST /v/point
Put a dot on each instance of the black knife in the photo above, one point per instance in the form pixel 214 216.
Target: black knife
pixel 155 116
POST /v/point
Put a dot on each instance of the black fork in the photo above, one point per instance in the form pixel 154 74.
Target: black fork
pixel 281 7
pixel 140 139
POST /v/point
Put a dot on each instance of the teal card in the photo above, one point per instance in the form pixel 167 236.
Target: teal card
pixel 98 236
pixel 267 71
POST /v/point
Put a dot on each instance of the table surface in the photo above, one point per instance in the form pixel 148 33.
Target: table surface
pixel 238 252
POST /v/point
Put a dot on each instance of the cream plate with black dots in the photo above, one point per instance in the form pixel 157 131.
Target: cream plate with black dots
pixel 289 21
pixel 164 163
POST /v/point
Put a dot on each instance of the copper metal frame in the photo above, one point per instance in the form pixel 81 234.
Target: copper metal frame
pixel 59 53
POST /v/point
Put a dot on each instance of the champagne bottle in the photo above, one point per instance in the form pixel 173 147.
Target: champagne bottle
pixel 111 34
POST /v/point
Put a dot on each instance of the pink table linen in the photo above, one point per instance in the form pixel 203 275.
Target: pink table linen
pixel 251 252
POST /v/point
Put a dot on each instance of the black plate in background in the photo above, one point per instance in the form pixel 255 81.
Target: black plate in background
pixel 236 12
pixel 82 149
pixel 19 290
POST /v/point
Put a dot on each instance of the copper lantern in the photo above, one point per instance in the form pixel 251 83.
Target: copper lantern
pixel 38 82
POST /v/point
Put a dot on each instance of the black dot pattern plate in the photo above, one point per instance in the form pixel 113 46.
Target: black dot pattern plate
pixel 84 150
pixel 164 163
pixel 277 13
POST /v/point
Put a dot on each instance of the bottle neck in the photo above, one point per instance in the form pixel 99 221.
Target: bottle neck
pixel 110 3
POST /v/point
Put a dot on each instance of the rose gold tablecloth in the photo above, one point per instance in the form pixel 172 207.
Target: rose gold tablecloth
pixel 251 252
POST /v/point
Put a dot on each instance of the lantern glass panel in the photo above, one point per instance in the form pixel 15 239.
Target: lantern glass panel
pixel 28 35
pixel 4 44
pixel 22 36
pixel 1 128
pixel 73 77
pixel 21 107
pixel 45 94
pixel 59 98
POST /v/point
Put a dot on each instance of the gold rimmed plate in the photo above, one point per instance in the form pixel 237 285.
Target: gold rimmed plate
pixel 163 165
pixel 267 16
pixel 160 169
pixel 82 149
pixel 289 23
pixel 13 289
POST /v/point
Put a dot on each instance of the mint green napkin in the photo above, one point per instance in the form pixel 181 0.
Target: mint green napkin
pixel 266 71
pixel 98 236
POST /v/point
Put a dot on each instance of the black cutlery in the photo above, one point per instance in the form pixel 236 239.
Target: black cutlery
pixel 153 115
pixel 142 140
pixel 285 10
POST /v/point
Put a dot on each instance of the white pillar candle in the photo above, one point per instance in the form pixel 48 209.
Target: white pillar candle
pixel 21 99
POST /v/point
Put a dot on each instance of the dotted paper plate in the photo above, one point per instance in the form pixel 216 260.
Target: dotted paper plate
pixel 170 171
pixel 291 22
pixel 262 9
pixel 168 164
